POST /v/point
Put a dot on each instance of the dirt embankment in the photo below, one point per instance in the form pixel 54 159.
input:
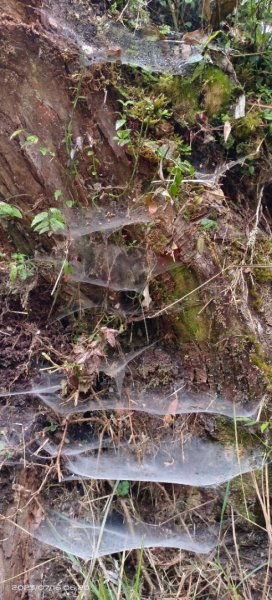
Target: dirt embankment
pixel 215 343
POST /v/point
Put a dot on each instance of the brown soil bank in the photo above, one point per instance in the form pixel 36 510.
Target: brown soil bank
pixel 135 316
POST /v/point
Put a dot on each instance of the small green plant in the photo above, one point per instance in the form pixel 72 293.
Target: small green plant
pixel 123 488
pixel 8 210
pixel 122 133
pixel 106 590
pixel 20 267
pixel 254 18
pixel 132 12
pixel 94 161
pixel 181 169
pixel 209 224
pixel 49 221
pixel 52 427
pixel 146 109
pixel 32 140
pixel 58 196
pixel 164 29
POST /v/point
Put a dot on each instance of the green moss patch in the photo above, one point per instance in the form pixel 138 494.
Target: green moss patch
pixel 189 324
pixel 217 89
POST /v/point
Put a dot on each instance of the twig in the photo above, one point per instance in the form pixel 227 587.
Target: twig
pixel 123 11
pixel 60 477
pixel 60 273
pixel 173 14
pixel 253 234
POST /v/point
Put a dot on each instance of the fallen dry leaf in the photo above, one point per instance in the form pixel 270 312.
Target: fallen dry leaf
pixel 227 130
pixel 147 298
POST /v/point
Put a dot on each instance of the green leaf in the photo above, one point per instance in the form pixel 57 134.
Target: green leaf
pixel 50 220
pixel 45 151
pixel 267 114
pixel 15 133
pixel 55 225
pixel 42 228
pixel 55 212
pixel 57 194
pixel 123 488
pixel 119 123
pixel 70 203
pixel 67 268
pixel 23 274
pixel 31 139
pixel 19 257
pixel 214 35
pixel 250 422
pixel 7 210
pixel 264 426
pixel 198 71
pixel 175 185
pixel 39 218
pixel 53 427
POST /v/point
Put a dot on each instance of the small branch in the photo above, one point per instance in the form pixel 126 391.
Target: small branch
pixel 253 234
pixel 60 476
pixel 173 14
pixel 60 273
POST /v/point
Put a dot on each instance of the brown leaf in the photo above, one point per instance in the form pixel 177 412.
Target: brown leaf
pixel 110 335
pixel 227 130
pixel 168 420
pixel 173 406
pixel 152 208
pixel 147 298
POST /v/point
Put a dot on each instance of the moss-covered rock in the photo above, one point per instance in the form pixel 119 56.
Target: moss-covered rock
pixel 188 323
pixel 263 255
pixel 214 86
pixel 247 133
pixel 246 126
pixel 184 95
pixel 216 89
